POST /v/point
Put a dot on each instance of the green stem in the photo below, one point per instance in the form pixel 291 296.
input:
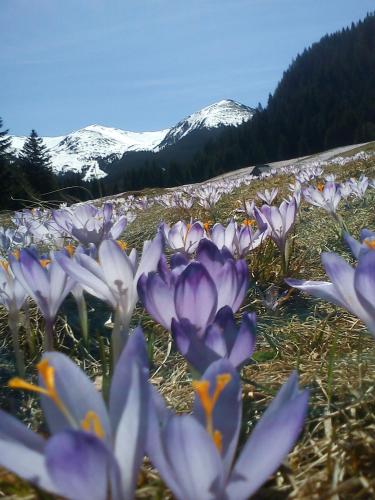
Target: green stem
pixel 119 335
pixel 29 334
pixel 14 329
pixel 49 334
pixel 82 312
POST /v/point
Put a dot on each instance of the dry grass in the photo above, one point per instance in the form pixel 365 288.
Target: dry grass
pixel 335 455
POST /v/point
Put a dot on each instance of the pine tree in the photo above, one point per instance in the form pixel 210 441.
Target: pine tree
pixel 13 185
pixel 5 141
pixel 36 165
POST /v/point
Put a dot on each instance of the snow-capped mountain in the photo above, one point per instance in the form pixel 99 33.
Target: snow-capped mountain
pixel 220 114
pixel 82 150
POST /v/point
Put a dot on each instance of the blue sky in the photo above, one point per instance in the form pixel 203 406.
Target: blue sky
pixel 145 64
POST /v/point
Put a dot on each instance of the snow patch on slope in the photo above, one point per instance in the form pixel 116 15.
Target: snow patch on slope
pixel 220 114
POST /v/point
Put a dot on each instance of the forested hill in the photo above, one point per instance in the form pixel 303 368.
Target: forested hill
pixel 326 98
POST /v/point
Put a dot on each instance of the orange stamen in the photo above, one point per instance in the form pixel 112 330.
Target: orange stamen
pixel 320 186
pixel 17 254
pixel 207 225
pixel 249 222
pixel 91 423
pixel 47 374
pixel 370 243
pixel 5 265
pixel 208 402
pixel 44 262
pixel 123 246
pixel 70 249
pixel 218 440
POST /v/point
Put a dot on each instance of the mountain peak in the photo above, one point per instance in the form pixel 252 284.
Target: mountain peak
pixel 224 113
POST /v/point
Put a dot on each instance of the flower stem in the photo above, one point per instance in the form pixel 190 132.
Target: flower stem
pixel 14 329
pixel 49 335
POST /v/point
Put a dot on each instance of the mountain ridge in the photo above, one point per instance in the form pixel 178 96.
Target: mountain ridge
pixel 85 149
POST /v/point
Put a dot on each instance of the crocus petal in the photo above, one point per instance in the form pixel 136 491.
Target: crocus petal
pixel 77 393
pixel 191 346
pixel 209 255
pixel 218 235
pixel 342 275
pixel 320 289
pixel 151 254
pixel 12 429
pixel 158 298
pixel 33 277
pixel 244 343
pixel 117 269
pixel 195 296
pixel 194 463
pixel 194 235
pixel 22 452
pixel 118 228
pixel 132 428
pixel 27 464
pixel 134 350
pixel 79 464
pixel 60 285
pixel 81 270
pixel 158 418
pixel 354 245
pixel 364 283
pixel 272 438
pixel 228 409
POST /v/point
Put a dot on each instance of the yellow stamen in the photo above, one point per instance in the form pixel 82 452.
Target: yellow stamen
pixel 249 222
pixel 91 423
pixel 207 225
pixel 17 254
pixel 47 374
pixel 122 245
pixel 44 262
pixel 320 186
pixel 19 383
pixel 218 440
pixel 5 265
pixel 208 402
pixel 370 243
pixel 70 249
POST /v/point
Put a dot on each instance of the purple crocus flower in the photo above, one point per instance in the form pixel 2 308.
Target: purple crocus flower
pixel 194 454
pixel 45 282
pixel 268 196
pixel 89 224
pixel 351 288
pixel 194 290
pixel 238 240
pixel 249 238
pixel 326 196
pixel 12 296
pixel 280 222
pixel 220 339
pixel 366 242
pixel 93 453
pixel 225 236
pixel 113 278
pixel 183 237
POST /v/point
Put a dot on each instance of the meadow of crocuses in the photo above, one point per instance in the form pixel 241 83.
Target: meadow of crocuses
pixel 188 343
